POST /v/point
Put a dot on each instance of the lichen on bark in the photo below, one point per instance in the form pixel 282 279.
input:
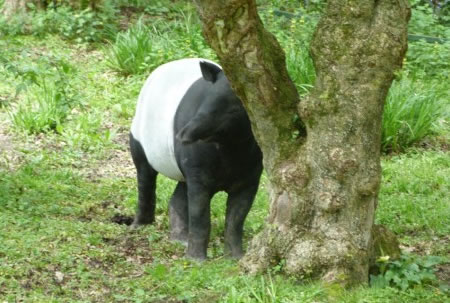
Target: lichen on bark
pixel 324 185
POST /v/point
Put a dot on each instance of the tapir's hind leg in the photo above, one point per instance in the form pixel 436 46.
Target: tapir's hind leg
pixel 178 214
pixel 146 179
pixel 238 206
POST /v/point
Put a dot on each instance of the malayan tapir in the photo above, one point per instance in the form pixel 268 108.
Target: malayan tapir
pixel 191 127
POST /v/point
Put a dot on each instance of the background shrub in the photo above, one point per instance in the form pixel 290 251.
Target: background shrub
pixel 77 25
pixel 407 272
pixel 428 61
pixel 49 95
pixel 132 51
pixel 142 48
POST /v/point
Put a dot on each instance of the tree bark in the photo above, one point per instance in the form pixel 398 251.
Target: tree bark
pixel 324 183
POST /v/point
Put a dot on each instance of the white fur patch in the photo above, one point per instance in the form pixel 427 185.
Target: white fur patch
pixel 153 124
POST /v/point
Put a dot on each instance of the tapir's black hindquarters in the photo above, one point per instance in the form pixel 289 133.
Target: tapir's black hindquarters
pixel 146 180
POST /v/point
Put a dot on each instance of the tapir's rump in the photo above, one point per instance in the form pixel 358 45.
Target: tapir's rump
pixel 153 124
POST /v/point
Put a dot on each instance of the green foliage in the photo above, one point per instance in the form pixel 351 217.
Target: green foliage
pixel 407 272
pixel 425 21
pixel 415 191
pixel 132 52
pixel 410 111
pixel 87 25
pixel 428 61
pixel 300 68
pixel 294 34
pixel 50 97
pixel 13 26
pixel 162 8
pixel 266 291
pixel 141 48
pixel 76 25
pixel 262 291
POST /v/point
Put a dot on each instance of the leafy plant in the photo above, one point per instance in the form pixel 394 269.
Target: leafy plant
pixel 429 18
pixel 76 25
pixel 189 37
pixel 265 292
pixel 14 25
pixel 141 48
pixel 132 50
pixel 294 34
pixel 41 114
pixel 409 113
pixel 407 272
pixel 300 68
pixel 49 96
pixel 90 26
pixel 425 60
pixel 87 133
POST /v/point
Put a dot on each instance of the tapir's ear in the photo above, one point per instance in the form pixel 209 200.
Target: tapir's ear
pixel 209 71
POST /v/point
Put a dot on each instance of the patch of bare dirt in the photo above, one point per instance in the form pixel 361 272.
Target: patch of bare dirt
pixel 115 163
pixel 122 220
pixel 133 248
pixel 439 143
pixel 443 273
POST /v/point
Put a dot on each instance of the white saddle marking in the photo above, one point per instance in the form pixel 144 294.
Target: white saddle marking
pixel 153 123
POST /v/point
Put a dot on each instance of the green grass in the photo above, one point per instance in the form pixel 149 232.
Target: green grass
pixel 61 192
pixel 55 222
pixel 414 199
pixel 51 96
pixel 146 45
pixel 411 110
pixel 131 53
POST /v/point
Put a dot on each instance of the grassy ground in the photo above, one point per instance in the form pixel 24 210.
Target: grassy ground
pixel 65 196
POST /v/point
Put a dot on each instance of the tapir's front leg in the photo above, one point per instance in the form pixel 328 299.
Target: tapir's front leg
pixel 146 179
pixel 199 200
pixel 238 206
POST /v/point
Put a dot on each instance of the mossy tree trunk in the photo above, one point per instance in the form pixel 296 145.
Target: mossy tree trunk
pixel 324 183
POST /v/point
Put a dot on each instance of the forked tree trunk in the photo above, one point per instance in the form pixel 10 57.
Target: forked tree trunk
pixel 324 183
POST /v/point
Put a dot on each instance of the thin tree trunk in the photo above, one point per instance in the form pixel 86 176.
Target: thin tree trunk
pixel 323 184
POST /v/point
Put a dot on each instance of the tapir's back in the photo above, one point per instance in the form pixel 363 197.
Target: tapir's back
pixel 157 104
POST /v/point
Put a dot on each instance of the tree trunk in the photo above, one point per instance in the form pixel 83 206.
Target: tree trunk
pixel 11 7
pixel 324 183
